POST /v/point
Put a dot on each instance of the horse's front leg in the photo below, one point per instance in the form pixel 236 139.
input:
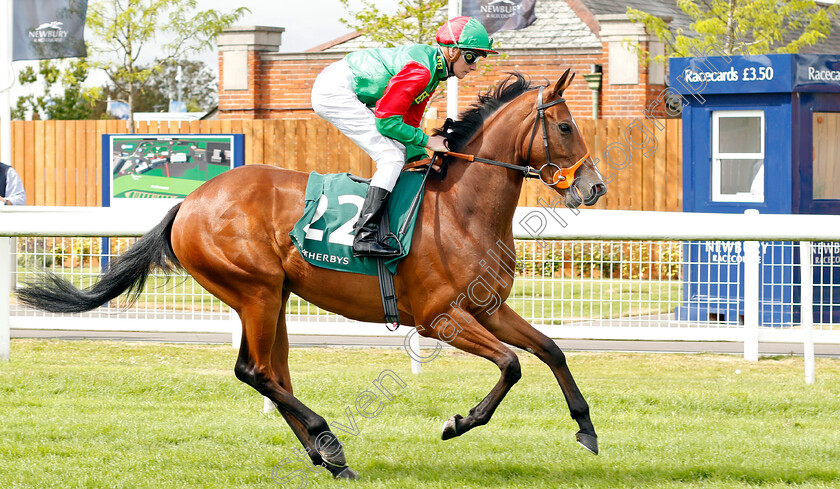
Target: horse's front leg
pixel 462 331
pixel 509 327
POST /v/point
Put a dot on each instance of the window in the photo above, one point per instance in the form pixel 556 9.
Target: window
pixel 738 156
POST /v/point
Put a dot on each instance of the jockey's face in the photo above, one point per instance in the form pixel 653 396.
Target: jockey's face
pixel 461 68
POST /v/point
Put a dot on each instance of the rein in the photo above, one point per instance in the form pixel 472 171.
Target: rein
pixel 526 170
pixel 563 177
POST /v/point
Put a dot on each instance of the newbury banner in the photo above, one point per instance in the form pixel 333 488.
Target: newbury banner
pixel 501 15
pixel 49 29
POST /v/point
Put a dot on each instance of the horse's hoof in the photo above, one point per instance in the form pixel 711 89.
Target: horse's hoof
pixel 588 442
pixel 450 428
pixel 330 449
pixel 347 473
pixel 340 471
pixel 336 459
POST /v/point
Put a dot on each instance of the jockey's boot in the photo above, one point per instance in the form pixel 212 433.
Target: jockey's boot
pixel 365 243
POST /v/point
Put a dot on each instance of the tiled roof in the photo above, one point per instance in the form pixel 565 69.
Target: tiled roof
pixel 557 26
pixel 659 8
pixel 668 8
pixel 830 45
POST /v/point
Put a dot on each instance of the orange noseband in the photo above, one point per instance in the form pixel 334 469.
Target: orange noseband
pixel 566 176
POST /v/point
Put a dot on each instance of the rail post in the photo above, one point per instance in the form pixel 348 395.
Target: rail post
pixel 752 259
pixel 5 292
pixel 414 344
pixel 806 295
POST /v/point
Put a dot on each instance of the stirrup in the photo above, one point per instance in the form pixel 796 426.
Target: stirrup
pixel 375 250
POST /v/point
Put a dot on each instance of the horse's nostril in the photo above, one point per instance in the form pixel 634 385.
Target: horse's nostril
pixel 599 189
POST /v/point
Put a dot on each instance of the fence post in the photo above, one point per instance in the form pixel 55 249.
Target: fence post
pixel 235 330
pixel 751 287
pixel 5 292
pixel 414 344
pixel 806 294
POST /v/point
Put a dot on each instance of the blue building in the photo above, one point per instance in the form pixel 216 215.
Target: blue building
pixel 759 132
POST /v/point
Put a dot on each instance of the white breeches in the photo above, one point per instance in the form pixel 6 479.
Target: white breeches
pixel 333 99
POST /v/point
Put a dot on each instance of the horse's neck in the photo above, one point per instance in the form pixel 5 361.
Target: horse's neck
pixel 485 194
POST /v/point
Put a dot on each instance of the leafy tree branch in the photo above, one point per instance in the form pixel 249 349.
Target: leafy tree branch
pixel 730 27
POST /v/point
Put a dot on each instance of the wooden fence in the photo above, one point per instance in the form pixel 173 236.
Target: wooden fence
pixel 60 162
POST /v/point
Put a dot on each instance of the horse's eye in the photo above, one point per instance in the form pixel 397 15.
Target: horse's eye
pixel 565 127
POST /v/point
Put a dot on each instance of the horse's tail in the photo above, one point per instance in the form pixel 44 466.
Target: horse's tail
pixel 126 273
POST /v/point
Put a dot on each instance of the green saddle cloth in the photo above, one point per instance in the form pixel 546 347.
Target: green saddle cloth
pixel 324 235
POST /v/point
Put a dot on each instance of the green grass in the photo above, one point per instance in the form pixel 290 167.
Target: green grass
pixel 579 299
pixel 106 414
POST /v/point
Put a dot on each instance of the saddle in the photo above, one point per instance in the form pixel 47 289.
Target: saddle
pixel 324 233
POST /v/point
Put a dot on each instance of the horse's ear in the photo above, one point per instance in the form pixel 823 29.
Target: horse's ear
pixel 562 84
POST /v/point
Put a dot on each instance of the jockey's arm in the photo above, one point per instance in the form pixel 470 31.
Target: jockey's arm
pixel 434 143
pixel 397 106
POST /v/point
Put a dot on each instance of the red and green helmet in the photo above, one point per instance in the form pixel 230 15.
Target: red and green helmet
pixel 465 33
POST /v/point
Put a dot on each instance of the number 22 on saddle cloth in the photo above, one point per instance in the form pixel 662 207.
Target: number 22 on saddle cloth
pixel 324 234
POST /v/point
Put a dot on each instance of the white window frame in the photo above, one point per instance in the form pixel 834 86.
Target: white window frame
pixel 717 156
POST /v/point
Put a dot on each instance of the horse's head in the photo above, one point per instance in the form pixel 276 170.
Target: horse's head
pixel 555 147
pixel 545 141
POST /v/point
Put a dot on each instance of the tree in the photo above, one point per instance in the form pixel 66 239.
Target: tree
pixel 198 88
pixel 125 27
pixel 76 102
pixel 416 21
pixel 198 85
pixel 730 27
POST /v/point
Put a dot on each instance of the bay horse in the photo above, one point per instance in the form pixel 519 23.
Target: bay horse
pixel 232 236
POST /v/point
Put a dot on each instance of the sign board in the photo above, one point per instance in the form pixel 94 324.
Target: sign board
pixel 766 73
pixel 162 169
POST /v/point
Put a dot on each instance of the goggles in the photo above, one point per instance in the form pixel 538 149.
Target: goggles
pixel 471 57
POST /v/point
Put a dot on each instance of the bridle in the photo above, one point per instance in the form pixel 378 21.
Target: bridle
pixel 563 177
pixel 566 175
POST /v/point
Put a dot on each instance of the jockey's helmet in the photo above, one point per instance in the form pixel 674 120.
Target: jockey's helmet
pixel 465 33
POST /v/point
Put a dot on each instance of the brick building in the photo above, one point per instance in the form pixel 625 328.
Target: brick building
pixel 588 36
pixel 257 82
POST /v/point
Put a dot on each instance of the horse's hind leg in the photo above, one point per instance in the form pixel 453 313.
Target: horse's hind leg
pixel 474 339
pixel 266 370
pixel 509 327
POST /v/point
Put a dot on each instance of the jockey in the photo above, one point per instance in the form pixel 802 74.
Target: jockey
pixel 377 97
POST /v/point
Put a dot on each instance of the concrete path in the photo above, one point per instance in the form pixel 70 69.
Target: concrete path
pixel 392 342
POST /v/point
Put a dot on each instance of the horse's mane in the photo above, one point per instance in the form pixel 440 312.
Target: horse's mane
pixel 458 133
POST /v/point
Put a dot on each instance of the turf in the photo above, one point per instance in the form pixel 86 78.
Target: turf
pixel 109 414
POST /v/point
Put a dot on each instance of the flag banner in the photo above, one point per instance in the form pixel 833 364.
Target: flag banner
pixel 48 29
pixel 119 109
pixel 177 106
pixel 501 15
